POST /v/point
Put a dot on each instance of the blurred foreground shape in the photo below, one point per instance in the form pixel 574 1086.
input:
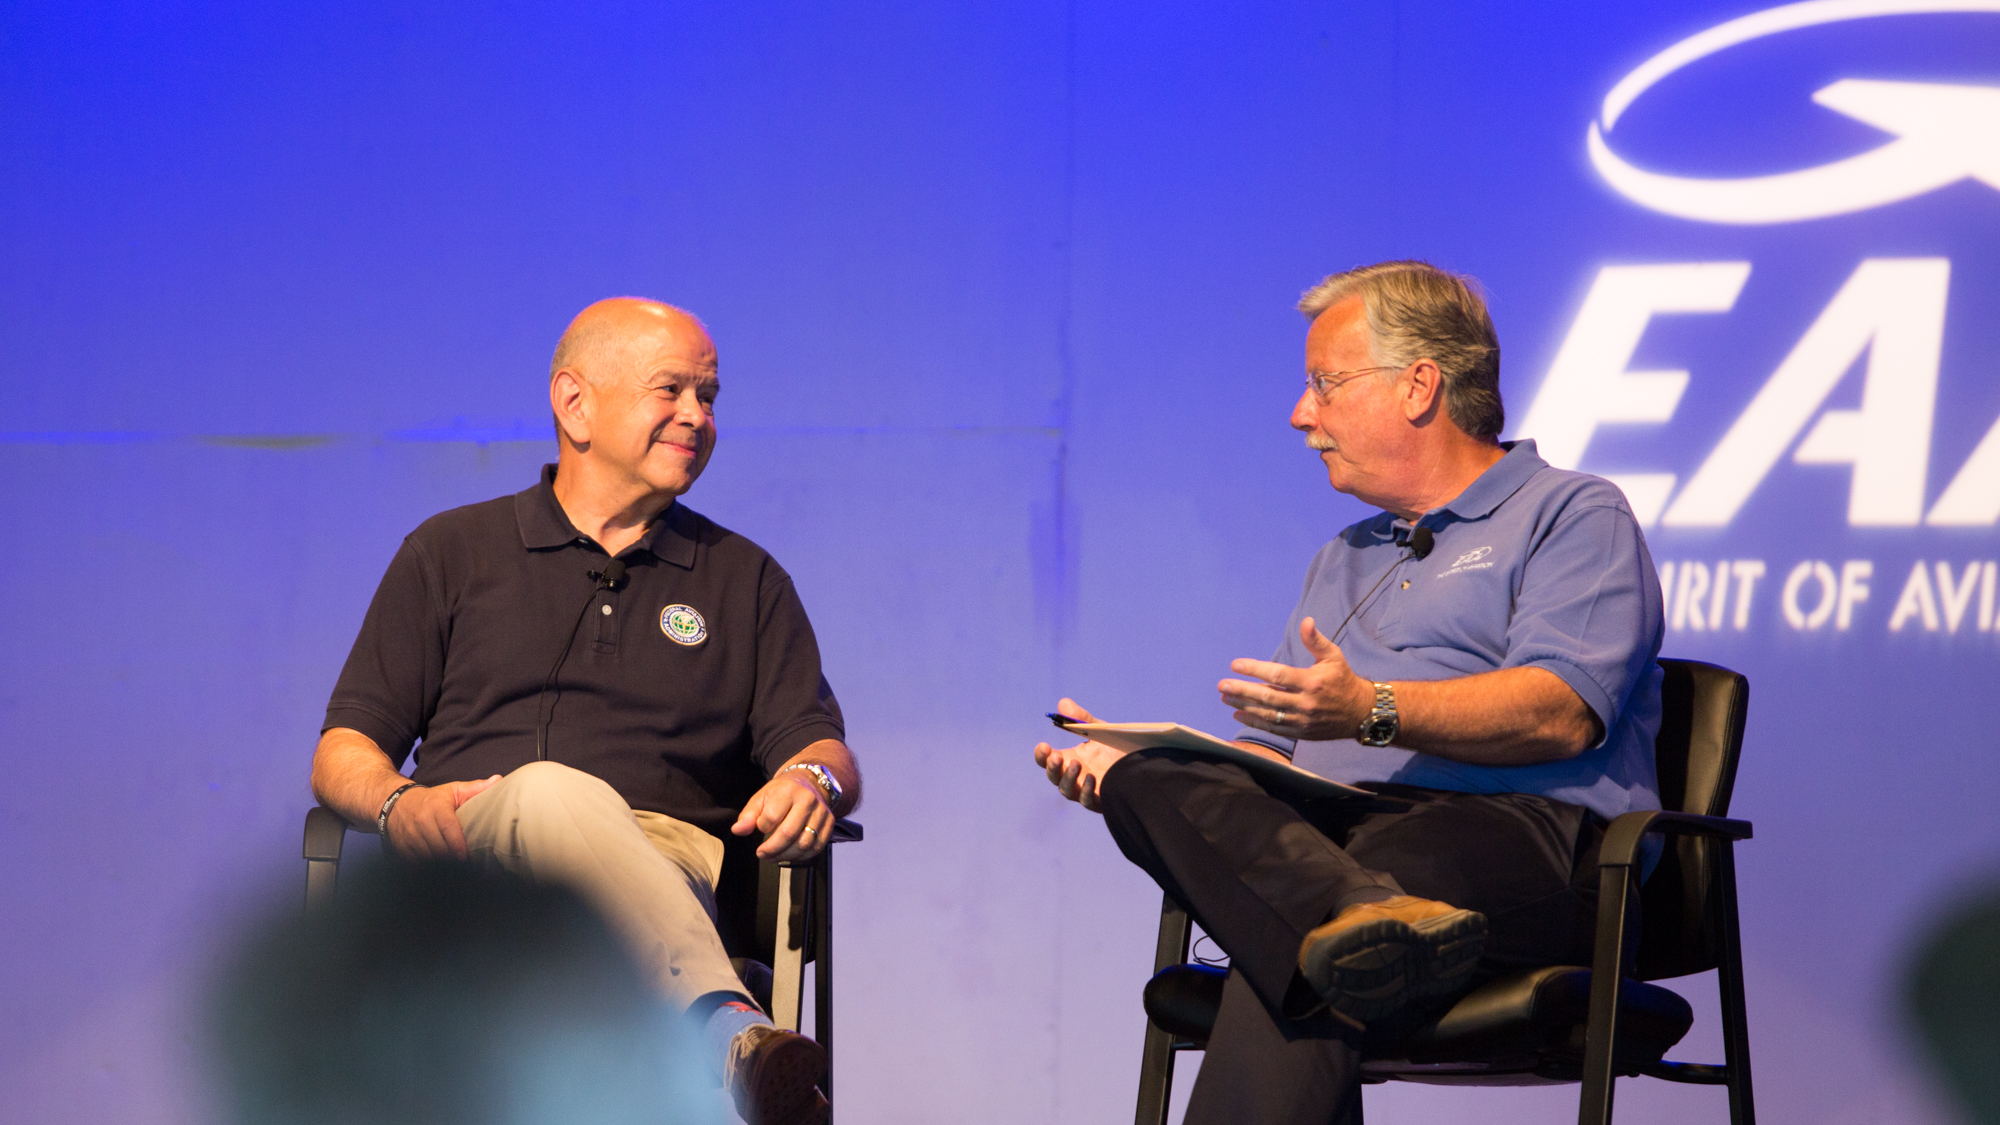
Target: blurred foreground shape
pixel 1954 995
pixel 446 995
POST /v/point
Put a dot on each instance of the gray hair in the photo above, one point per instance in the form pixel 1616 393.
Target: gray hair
pixel 1418 311
pixel 577 341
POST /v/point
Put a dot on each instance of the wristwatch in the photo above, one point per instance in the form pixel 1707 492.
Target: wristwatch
pixel 822 779
pixel 1380 726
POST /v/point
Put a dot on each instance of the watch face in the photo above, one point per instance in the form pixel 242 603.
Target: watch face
pixel 1378 731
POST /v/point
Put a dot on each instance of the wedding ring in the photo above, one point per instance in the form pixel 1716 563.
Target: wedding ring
pixel 812 830
pixel 1281 715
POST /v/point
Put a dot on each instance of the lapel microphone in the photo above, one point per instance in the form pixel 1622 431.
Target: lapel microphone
pixel 612 578
pixel 1419 543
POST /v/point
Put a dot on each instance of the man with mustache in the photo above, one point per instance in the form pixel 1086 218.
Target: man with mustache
pixel 1482 651
pixel 609 690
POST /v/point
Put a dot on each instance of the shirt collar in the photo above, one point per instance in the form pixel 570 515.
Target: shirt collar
pixel 544 524
pixel 541 518
pixel 1501 479
pixel 673 536
pixel 1488 491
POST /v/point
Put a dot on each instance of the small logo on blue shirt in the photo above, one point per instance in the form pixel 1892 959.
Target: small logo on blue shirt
pixel 1470 560
pixel 683 625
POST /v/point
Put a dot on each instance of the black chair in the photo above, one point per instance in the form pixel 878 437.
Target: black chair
pixel 1566 1023
pixel 793 922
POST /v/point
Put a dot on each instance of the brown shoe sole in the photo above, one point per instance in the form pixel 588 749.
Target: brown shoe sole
pixel 1367 971
pixel 782 1087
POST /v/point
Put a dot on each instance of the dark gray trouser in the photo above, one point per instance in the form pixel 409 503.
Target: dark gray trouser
pixel 1258 873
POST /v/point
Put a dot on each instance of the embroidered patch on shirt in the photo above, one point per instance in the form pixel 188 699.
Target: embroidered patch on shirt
pixel 1470 560
pixel 683 625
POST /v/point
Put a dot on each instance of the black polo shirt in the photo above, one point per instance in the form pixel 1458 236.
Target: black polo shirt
pixel 685 689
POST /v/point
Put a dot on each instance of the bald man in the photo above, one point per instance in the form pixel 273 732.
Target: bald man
pixel 607 690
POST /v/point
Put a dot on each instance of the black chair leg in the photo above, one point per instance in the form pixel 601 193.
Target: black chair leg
pixel 1156 1069
pixel 782 902
pixel 1607 972
pixel 1735 1013
pixel 1156 1078
pixel 822 938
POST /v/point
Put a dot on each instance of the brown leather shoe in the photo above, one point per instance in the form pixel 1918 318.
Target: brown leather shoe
pixel 774 1076
pixel 1377 957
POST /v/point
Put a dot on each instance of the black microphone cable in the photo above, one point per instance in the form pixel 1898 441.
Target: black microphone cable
pixel 1419 543
pixel 610 578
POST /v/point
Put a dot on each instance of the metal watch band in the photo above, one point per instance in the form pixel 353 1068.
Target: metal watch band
pixel 1380 726
pixel 822 780
pixel 382 818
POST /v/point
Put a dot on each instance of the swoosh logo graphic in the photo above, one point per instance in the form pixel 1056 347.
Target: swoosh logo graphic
pixel 1943 133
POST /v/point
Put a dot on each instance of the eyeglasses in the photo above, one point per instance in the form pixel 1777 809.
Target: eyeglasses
pixel 1324 383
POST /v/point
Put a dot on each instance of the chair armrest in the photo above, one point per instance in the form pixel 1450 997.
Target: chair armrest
pixel 326 832
pixel 1621 841
pixel 844 832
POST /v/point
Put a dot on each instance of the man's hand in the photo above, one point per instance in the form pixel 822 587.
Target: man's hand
pixel 424 823
pixel 1320 703
pixel 792 814
pixel 1079 770
pixel 352 776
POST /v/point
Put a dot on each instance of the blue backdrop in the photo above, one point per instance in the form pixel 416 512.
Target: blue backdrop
pixel 1002 293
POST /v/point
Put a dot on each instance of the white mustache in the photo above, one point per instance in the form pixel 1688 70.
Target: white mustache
pixel 1319 442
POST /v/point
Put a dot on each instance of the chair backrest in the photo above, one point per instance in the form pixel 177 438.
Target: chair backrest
pixel 1703 707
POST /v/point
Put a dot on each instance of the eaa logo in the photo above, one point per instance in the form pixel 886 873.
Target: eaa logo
pixel 1471 557
pixel 1889 309
pixel 1943 133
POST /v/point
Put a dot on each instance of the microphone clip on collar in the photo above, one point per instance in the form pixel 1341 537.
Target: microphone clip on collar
pixel 612 577
pixel 1421 541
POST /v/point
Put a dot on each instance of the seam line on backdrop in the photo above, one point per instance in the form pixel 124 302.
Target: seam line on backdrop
pixel 1064 533
pixel 1064 581
pixel 467 435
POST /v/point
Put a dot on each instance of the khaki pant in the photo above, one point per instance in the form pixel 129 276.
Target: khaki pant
pixel 652 876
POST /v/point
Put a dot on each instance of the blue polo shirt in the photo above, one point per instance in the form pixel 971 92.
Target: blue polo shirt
pixel 1533 567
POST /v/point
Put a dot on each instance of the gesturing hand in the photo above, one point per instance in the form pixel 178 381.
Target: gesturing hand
pixel 424 823
pixel 1325 701
pixel 1077 771
pixel 792 814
